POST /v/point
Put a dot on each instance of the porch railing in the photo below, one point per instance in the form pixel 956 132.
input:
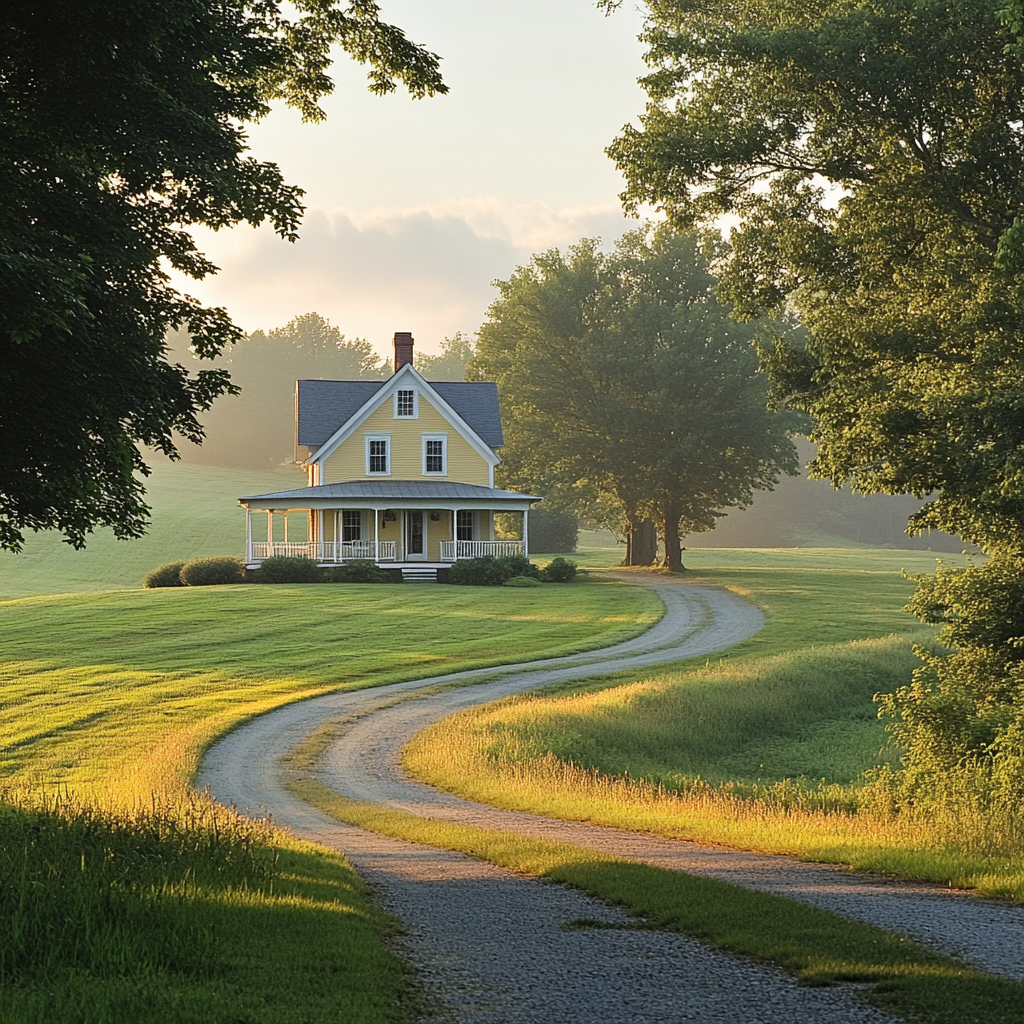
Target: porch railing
pixel 455 549
pixel 325 551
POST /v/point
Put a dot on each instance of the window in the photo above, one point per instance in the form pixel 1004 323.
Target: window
pixel 351 525
pixel 377 455
pixel 463 524
pixel 405 403
pixel 434 454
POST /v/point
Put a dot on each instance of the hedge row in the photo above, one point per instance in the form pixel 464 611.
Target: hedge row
pixel 515 571
pixel 204 572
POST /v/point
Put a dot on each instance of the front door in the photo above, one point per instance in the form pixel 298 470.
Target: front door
pixel 415 547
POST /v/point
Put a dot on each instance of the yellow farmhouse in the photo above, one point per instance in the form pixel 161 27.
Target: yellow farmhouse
pixel 400 472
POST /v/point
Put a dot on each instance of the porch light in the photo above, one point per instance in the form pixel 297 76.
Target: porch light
pixel 435 517
pixel 389 516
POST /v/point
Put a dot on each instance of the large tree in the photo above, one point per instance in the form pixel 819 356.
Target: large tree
pixel 872 152
pixel 627 386
pixel 121 126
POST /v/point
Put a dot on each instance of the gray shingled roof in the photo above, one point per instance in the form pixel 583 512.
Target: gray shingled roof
pixel 324 405
pixel 385 490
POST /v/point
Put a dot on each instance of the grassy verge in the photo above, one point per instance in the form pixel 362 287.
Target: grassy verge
pixel 185 916
pixel 818 947
pixel 764 747
pixel 130 899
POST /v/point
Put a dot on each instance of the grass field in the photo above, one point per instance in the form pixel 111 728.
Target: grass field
pixel 195 513
pixel 763 747
pixel 133 900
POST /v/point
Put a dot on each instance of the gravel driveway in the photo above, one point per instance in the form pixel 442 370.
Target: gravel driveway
pixel 492 946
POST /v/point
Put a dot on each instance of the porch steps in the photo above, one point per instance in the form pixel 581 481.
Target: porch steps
pixel 418 574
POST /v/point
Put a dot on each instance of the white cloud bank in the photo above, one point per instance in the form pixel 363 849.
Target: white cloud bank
pixel 376 271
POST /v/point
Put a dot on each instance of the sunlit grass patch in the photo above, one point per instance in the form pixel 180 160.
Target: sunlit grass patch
pixel 763 747
pixel 818 947
pixel 185 913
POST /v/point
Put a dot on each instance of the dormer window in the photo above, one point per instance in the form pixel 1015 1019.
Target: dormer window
pixel 405 403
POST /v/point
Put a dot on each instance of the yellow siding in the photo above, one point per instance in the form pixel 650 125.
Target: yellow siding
pixel 465 465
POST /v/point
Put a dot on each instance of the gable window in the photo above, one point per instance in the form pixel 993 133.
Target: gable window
pixel 463 524
pixel 351 525
pixel 405 403
pixel 378 457
pixel 435 455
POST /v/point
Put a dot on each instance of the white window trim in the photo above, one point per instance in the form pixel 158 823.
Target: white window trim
pixel 443 438
pixel 378 437
pixel 415 404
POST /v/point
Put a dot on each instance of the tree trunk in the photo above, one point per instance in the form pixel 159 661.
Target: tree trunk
pixel 671 514
pixel 641 542
pixel 644 542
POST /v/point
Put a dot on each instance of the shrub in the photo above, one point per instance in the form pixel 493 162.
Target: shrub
pixel 478 572
pixel 552 531
pixel 559 570
pixel 167 575
pixel 288 570
pixel 517 565
pixel 208 572
pixel 359 571
pixel 522 581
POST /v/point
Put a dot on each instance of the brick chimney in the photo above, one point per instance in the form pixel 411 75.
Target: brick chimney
pixel 403 349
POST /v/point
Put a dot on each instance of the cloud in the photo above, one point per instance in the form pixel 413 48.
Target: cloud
pixel 373 272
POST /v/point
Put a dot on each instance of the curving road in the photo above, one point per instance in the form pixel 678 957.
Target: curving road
pixel 489 943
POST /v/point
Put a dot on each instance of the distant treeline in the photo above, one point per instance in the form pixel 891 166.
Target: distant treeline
pixel 256 429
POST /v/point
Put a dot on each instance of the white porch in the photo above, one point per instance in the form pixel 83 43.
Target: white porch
pixel 334 552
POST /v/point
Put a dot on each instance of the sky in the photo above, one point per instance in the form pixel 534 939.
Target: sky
pixel 415 206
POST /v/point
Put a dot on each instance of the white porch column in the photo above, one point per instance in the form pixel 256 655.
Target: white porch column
pixel 319 538
pixel 526 523
pixel 286 526
pixel 248 535
pixel 270 528
pixel 376 545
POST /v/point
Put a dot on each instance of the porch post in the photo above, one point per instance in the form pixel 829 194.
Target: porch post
pixel 270 531
pixel 286 527
pixel 526 542
pixel 376 543
pixel 248 535
pixel 319 539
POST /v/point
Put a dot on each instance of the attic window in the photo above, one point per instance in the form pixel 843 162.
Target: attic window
pixel 405 403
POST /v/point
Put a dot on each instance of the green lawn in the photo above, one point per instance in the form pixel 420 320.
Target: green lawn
pixel 763 746
pixel 195 513
pixel 110 913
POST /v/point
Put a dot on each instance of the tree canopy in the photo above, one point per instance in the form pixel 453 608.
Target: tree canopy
pixel 872 153
pixel 628 389
pixel 121 126
pixel 256 428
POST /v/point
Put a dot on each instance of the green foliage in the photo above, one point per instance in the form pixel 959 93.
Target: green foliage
pixel 552 530
pixel 521 581
pixel 167 575
pixel 559 570
pixel 123 127
pixel 280 569
pixel 961 720
pixel 256 429
pixel 208 572
pixel 477 572
pixel 456 354
pixel 871 154
pixel 626 384
pixel 360 571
